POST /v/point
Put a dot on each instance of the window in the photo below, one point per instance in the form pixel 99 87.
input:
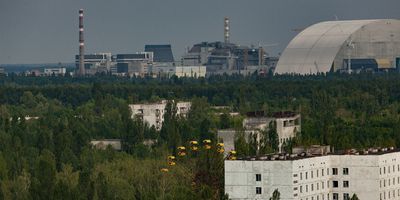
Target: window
pixel 335 196
pixel 327 171
pixel 301 189
pixel 312 174
pixel 335 184
pixel 312 187
pixel 301 176
pixel 258 177
pixel 334 171
pixel 258 190
pixel 345 171
pixel 322 172
pixel 345 184
pixel 306 188
pixel 317 173
pixel 306 175
pixel 346 196
pixel 322 184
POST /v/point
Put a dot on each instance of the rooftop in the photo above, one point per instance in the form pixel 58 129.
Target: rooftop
pixel 304 155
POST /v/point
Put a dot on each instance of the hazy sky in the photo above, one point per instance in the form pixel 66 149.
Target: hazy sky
pixel 43 31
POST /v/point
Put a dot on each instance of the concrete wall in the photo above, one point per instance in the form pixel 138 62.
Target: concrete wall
pixel 153 114
pixel 312 178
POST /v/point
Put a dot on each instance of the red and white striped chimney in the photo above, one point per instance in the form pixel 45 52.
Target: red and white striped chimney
pixel 81 45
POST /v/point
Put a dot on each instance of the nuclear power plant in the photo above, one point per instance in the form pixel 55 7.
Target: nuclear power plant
pixel 351 46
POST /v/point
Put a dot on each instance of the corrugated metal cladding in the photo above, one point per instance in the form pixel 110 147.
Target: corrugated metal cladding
pixel 323 47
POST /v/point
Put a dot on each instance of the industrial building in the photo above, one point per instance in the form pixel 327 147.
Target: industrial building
pixel 95 63
pixel 162 53
pixel 288 125
pixel 153 113
pixel 346 46
pixel 190 71
pixel 372 174
pixel 134 64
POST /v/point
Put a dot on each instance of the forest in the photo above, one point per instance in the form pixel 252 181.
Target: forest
pixel 49 157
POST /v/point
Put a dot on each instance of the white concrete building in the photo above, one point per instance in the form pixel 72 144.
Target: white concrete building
pixel 288 125
pixel 374 175
pixel 59 71
pixel 190 71
pixel 103 144
pixel 153 113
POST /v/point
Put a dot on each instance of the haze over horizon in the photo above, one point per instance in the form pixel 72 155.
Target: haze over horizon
pixel 46 31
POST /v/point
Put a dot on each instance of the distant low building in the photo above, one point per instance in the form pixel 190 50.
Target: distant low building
pixel 190 71
pixel 2 72
pixel 59 71
pixel 153 113
pixel 103 144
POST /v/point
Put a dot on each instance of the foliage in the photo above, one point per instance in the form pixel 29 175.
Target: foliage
pixel 49 157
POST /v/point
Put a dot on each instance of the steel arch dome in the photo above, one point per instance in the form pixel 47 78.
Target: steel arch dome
pixel 314 49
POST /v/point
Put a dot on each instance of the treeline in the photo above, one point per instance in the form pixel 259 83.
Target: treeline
pixel 50 157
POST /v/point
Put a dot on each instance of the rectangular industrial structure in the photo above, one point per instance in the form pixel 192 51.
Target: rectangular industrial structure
pixel 371 175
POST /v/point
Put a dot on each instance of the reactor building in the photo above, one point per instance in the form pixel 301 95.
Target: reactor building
pixel 343 46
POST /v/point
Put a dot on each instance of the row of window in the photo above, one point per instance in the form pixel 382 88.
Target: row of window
pixel 389 169
pixel 335 184
pixel 382 183
pixel 335 196
pixel 312 187
pixel 390 194
pixel 345 171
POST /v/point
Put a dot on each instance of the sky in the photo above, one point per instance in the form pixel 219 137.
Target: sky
pixel 46 31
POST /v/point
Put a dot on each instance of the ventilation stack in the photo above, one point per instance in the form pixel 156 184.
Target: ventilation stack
pixel 226 30
pixel 81 69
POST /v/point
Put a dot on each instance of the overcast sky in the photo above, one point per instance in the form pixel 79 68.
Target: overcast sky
pixel 45 31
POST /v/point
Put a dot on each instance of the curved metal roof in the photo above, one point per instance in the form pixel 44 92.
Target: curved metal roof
pixel 315 48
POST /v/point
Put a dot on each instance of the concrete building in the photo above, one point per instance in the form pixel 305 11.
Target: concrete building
pixel 162 53
pixel 190 71
pixel 348 46
pixel 134 64
pixel 153 114
pixel 371 175
pixel 95 63
pixel 59 71
pixel 103 144
pixel 288 125
pixel 198 54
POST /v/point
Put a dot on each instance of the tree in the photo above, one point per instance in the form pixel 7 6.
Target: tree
pixel 276 195
pixel 241 146
pixel 354 197
pixel 44 178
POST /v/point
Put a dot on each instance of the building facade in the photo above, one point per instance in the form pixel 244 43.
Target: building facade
pixel 95 63
pixel 136 64
pixel 287 125
pixel 60 71
pixel 190 71
pixel 371 175
pixel 153 114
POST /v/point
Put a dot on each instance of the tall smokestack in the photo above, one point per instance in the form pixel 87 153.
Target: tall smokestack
pixel 226 30
pixel 81 45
